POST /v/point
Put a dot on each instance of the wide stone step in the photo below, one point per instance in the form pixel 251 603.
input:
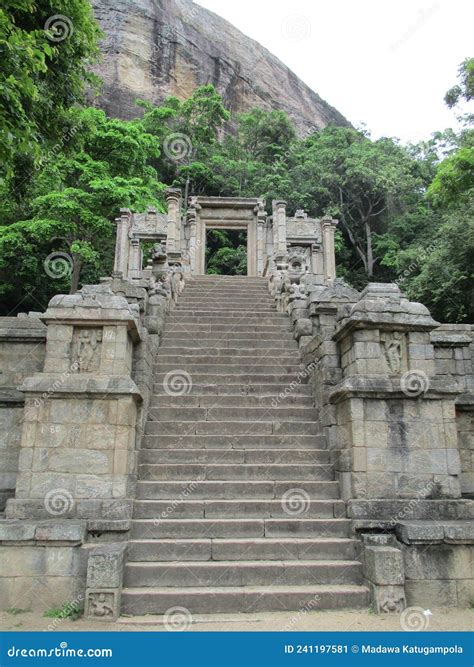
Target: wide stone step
pixel 230 471
pixel 254 390
pixel 224 414
pixel 208 351
pixel 260 369
pixel 230 490
pixel 266 359
pixel 265 548
pixel 228 300
pixel 162 510
pixel 221 442
pixel 242 573
pixel 236 400
pixel 209 308
pixel 246 319
pixel 246 599
pixel 231 428
pixel 228 330
pixel 181 528
pixel 183 455
pixel 177 343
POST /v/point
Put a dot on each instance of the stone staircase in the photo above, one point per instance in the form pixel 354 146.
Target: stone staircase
pixel 237 509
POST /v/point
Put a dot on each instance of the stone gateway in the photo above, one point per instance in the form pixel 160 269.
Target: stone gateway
pixel 234 443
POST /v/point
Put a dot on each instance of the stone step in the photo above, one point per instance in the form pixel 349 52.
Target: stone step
pixel 189 342
pixel 240 471
pixel 188 528
pixel 236 400
pixel 261 369
pixel 162 510
pixel 264 548
pixel 251 391
pixel 272 490
pixel 227 300
pixel 222 442
pixel 182 455
pixel 204 351
pixel 266 358
pixel 189 321
pixel 231 428
pixel 246 599
pixel 241 573
pixel 224 414
pixel 226 308
pixel 228 330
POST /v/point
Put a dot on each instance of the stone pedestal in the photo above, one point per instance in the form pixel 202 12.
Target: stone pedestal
pixel 77 455
pixel 396 425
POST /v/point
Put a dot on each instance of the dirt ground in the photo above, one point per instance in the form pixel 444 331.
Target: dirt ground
pixel 444 619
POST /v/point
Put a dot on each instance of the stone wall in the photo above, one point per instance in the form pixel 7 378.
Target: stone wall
pixel 22 350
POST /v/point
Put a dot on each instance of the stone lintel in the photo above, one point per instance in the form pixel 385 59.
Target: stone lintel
pixel 465 402
pixel 396 510
pixel 100 386
pixel 431 532
pixel 11 395
pixel 385 387
pixel 64 532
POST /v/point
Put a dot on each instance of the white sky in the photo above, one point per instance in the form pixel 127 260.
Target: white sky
pixel 385 64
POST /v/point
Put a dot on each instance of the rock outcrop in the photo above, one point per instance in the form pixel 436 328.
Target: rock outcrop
pixel 156 48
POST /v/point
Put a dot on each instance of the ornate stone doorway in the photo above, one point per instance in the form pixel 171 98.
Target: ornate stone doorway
pixel 226 251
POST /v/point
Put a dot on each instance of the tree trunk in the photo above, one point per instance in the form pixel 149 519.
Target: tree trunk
pixel 370 251
pixel 76 273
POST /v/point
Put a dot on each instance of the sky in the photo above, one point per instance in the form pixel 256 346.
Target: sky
pixel 383 64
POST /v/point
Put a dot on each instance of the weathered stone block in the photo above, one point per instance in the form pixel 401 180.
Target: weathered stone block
pixel 383 565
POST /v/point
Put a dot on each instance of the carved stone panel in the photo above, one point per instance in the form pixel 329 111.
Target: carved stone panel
pixel 102 605
pixel 86 349
pixel 395 350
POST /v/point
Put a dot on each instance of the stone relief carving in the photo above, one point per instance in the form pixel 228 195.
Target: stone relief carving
pixel 86 348
pixel 394 344
pixel 390 599
pixel 101 604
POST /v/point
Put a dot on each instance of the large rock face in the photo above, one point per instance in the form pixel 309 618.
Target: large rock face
pixel 156 48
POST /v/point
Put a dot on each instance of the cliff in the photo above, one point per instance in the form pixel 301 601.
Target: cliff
pixel 156 48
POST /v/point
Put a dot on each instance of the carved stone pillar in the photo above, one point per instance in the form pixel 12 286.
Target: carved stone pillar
pixel 134 260
pixel 173 238
pixel 328 226
pixel 122 242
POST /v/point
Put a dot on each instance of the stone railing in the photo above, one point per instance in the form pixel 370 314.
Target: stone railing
pixel 395 394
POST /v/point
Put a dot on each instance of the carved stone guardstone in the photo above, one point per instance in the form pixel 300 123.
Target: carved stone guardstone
pixel 104 582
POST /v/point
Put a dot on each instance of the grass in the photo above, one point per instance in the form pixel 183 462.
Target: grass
pixel 68 610
pixel 14 611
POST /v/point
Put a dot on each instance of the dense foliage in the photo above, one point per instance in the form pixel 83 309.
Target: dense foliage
pixel 406 213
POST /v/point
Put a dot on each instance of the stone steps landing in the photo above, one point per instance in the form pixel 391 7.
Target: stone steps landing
pixel 237 509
